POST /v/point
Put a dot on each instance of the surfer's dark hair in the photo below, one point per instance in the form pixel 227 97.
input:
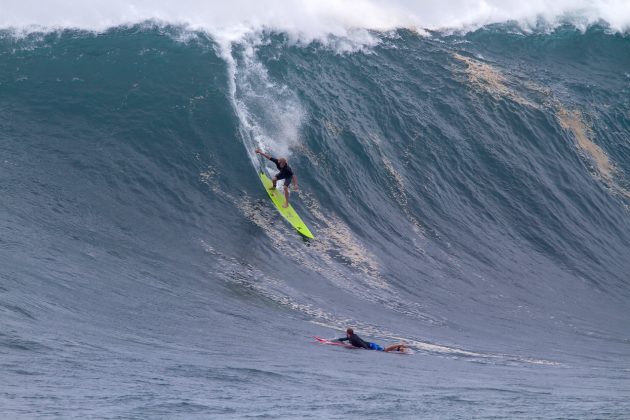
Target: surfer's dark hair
pixel 350 331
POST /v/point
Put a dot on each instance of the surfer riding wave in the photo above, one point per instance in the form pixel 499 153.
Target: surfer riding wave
pixel 286 173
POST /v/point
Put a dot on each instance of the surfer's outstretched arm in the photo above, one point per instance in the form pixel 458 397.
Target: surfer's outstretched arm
pixel 295 185
pixel 263 154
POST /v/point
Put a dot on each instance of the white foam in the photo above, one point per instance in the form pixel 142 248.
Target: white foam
pixel 307 20
pixel 269 113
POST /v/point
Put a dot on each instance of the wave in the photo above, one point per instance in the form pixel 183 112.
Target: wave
pixel 310 20
pixel 468 192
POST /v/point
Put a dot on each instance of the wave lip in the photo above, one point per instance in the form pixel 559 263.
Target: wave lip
pixel 316 20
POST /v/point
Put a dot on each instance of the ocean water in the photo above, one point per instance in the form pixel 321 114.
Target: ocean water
pixel 468 190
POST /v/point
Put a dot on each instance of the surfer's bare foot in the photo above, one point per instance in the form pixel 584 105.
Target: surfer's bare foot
pixel 285 205
pixel 272 188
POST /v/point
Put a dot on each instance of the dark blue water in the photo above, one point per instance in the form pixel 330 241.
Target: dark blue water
pixel 468 193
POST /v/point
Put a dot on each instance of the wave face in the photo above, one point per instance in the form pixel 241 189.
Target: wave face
pixel 468 193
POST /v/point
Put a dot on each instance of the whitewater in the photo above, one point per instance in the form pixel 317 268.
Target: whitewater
pixel 464 167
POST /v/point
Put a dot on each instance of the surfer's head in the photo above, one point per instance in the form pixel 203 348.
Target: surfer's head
pixel 282 162
pixel 349 332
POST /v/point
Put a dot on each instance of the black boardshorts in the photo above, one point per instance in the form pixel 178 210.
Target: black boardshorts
pixel 287 180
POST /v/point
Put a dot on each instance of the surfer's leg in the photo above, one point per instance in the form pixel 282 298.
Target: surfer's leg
pixel 274 180
pixel 396 347
pixel 286 197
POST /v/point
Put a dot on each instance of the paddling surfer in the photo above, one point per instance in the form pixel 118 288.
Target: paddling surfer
pixel 357 341
pixel 285 173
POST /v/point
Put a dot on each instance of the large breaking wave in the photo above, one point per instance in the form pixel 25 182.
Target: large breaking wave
pixel 467 181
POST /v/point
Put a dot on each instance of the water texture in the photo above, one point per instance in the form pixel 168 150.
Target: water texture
pixel 468 192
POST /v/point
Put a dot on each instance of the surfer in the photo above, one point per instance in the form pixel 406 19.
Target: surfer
pixel 285 173
pixel 357 341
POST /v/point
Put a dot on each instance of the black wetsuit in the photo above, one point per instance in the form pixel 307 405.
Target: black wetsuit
pixel 356 341
pixel 285 173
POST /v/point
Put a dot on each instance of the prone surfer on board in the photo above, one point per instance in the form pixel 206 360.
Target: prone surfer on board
pixel 285 173
pixel 357 341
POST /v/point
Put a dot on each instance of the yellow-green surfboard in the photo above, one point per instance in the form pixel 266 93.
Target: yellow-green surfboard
pixel 277 196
